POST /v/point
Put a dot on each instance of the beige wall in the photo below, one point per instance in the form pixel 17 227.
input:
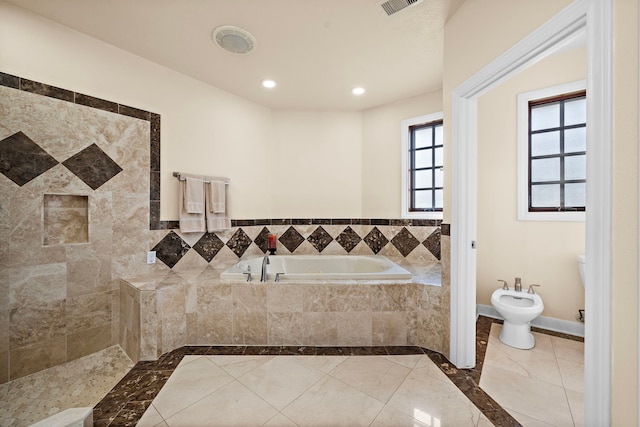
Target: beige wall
pixel 495 29
pixel 540 252
pixel 478 33
pixel 204 129
pixel 315 164
pixel 381 153
pixel 625 215
pixel 349 161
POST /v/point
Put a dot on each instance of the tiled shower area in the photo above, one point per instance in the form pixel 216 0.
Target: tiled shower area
pixel 74 218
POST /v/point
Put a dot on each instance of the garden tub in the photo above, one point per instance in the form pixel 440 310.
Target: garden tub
pixel 319 267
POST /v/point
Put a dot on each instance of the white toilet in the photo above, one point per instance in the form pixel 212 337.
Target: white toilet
pixel 581 264
pixel 581 260
pixel 518 308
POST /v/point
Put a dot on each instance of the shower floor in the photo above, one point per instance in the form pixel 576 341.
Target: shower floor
pixel 80 383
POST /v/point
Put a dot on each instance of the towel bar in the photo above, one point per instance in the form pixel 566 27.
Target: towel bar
pixel 181 176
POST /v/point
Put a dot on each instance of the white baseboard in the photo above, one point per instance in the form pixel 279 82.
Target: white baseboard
pixel 548 323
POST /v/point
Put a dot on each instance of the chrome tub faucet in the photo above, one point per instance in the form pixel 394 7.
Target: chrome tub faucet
pixel 265 262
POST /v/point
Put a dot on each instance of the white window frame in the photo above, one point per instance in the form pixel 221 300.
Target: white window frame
pixel 406 179
pixel 523 153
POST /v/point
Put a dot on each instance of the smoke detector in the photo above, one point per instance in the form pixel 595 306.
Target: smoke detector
pixel 233 39
pixel 394 6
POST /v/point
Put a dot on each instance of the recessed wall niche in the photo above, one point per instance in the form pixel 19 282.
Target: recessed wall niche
pixel 65 219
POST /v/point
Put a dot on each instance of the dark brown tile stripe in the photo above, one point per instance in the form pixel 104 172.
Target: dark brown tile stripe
pixel 301 221
pixel 46 90
pixel 483 328
pixel 154 143
pixel 323 221
pixel 133 112
pixel 554 333
pixel 100 104
pixel 16 82
pixel 9 81
pixel 468 380
pixel 445 229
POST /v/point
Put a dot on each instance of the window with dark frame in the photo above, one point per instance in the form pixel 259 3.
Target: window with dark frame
pixel 557 153
pixel 425 167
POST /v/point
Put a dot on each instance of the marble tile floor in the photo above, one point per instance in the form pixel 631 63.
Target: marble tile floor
pixel 80 383
pixel 401 390
pixel 393 386
pixel 540 387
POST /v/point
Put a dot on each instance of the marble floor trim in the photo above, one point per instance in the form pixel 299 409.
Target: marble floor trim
pixel 125 404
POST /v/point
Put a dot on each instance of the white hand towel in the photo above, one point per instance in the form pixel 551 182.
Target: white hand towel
pixel 217 196
pixel 215 221
pixel 194 195
pixel 189 222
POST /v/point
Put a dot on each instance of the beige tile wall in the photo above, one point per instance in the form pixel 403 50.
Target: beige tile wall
pixel 60 300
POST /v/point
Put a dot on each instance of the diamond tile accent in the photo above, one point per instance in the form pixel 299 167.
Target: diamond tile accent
pixel 291 239
pixel 405 242
pixel 208 246
pixel 171 249
pixel 239 242
pixel 348 239
pixel 93 166
pixel 320 239
pixel 433 243
pixel 262 240
pixel 22 160
pixel 376 240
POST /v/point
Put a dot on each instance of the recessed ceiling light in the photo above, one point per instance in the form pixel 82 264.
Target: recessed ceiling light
pixel 233 39
pixel 357 90
pixel 269 84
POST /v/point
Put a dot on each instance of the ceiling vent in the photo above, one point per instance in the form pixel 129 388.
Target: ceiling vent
pixel 393 6
pixel 233 39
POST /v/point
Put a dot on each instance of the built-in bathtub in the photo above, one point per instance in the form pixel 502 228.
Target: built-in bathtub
pixel 319 267
pixel 204 306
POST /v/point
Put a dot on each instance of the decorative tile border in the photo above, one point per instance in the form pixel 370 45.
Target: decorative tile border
pixel 336 221
pixel 43 89
pixel 396 233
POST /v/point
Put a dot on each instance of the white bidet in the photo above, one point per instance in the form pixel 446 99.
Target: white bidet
pixel 518 309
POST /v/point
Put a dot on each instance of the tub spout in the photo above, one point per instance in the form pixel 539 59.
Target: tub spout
pixel 265 262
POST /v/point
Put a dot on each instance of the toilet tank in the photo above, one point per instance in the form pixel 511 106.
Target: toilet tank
pixel 581 260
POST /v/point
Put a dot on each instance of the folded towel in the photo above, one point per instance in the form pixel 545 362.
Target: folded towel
pixel 215 221
pixel 217 196
pixel 194 195
pixel 189 222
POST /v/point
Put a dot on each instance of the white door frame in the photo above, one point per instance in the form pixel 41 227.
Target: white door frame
pixel 594 17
